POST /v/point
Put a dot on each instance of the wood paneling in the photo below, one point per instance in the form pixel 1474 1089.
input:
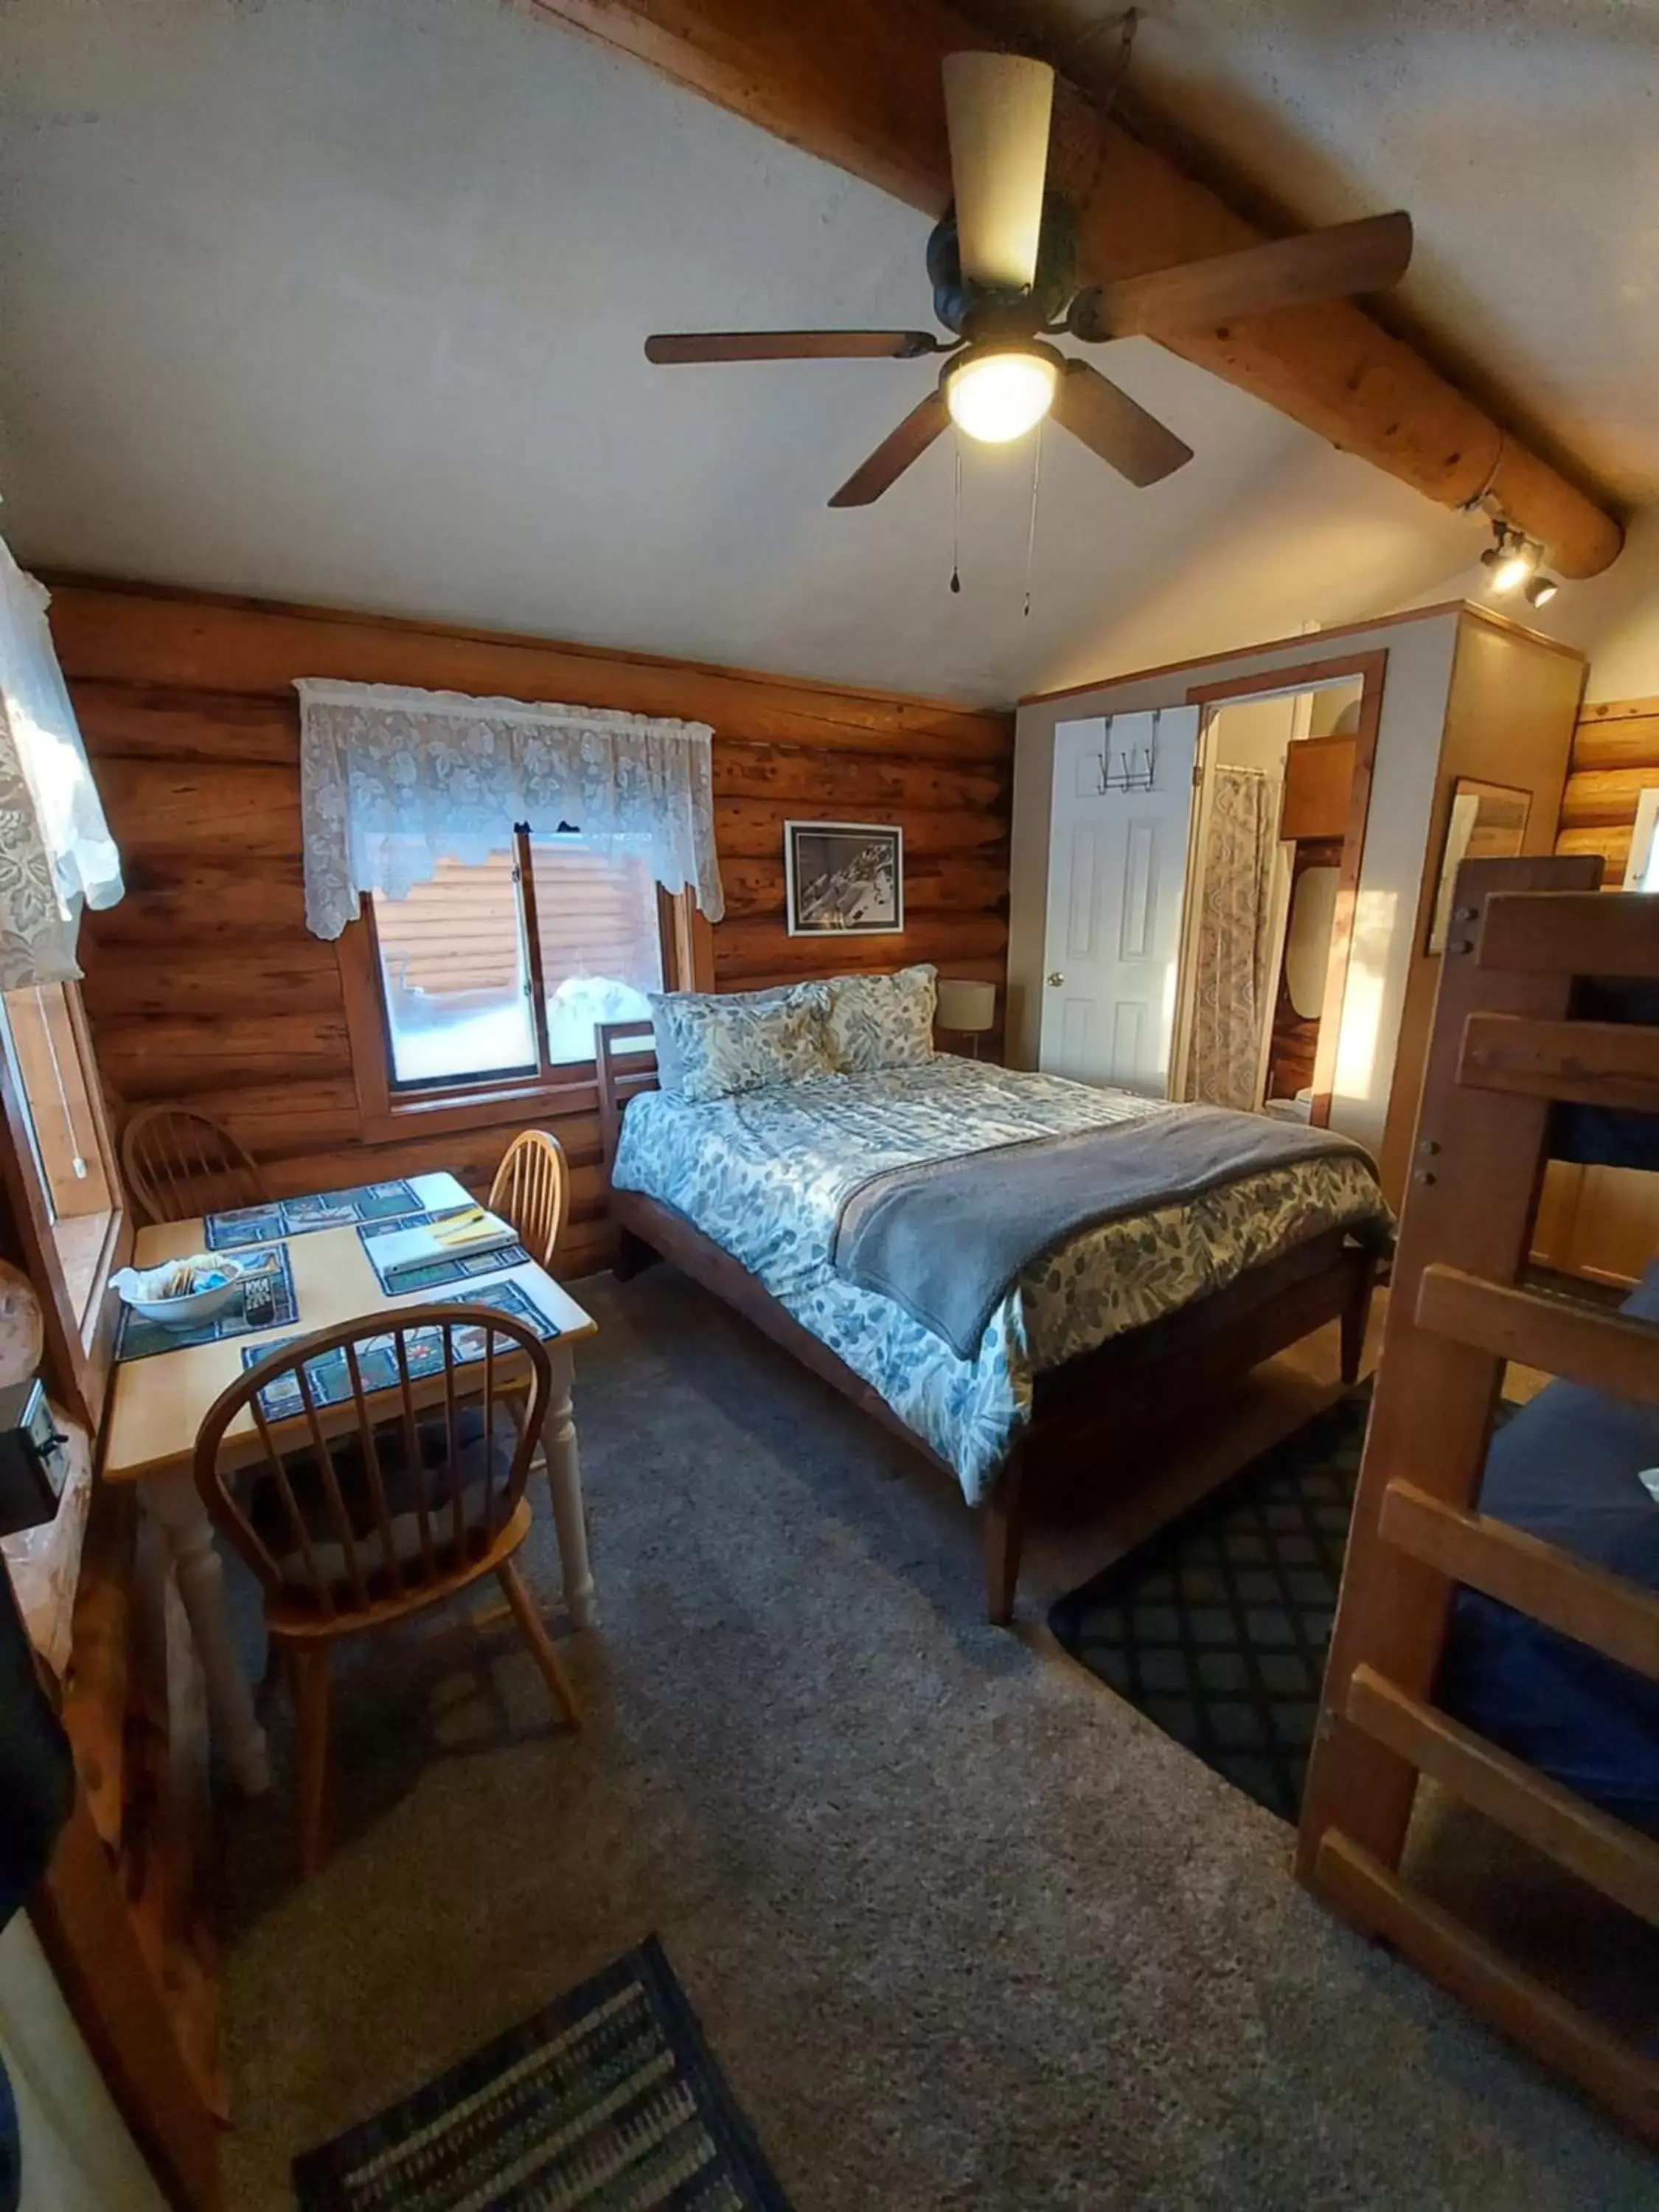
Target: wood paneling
pixel 204 984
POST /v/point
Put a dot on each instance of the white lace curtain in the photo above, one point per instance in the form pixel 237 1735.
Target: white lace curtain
pixel 56 852
pixel 392 781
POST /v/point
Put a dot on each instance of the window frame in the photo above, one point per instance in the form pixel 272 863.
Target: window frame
pixel 78 1350
pixel 392 1110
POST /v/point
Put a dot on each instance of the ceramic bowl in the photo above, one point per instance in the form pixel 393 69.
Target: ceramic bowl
pixel 182 1293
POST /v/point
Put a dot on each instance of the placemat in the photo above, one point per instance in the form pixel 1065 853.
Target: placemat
pixel 465 1268
pixel 267 1302
pixel 377 1356
pixel 297 1217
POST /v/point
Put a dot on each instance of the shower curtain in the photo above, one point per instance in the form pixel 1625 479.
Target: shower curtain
pixel 1232 996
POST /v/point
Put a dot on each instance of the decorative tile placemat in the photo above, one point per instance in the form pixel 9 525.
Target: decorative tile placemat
pixel 296 1216
pixel 267 1302
pixel 377 1356
pixel 462 1269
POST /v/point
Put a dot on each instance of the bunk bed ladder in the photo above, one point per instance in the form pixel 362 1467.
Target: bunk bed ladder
pixel 1505 1046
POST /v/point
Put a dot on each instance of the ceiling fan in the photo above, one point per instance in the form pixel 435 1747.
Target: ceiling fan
pixel 1003 267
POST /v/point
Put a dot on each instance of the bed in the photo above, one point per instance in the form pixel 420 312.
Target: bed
pixel 743 1192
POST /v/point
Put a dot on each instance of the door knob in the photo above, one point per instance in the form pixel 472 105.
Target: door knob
pixel 1056 979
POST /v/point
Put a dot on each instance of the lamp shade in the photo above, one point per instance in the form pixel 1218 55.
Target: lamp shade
pixel 966 1007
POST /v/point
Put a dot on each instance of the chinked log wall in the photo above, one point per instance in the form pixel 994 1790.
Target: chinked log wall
pixel 204 984
pixel 1615 756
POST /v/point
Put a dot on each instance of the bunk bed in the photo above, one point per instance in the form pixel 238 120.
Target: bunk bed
pixel 1498 1631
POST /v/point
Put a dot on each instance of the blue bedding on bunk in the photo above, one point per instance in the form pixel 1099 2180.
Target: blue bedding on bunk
pixel 1566 1469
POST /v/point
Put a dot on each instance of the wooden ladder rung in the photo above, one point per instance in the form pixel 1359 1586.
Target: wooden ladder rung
pixel 1514 2001
pixel 1570 934
pixel 1589 1844
pixel 1563 1336
pixel 1587 1063
pixel 1613 1616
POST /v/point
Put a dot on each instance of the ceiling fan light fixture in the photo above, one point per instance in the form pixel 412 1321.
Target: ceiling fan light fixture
pixel 996 394
pixel 1538 591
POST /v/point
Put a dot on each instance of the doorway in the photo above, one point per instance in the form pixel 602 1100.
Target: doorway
pixel 1277 839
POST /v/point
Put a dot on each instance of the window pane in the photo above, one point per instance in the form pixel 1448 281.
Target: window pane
pixel 454 975
pixel 601 944
pixel 44 1054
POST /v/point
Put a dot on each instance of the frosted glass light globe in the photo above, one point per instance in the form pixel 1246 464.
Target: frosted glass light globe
pixel 997 397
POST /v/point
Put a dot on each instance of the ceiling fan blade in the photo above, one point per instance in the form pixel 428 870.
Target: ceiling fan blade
pixel 996 107
pixel 1367 255
pixel 1111 423
pixel 895 453
pixel 791 345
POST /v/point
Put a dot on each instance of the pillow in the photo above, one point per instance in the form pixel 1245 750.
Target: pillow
pixel 713 1045
pixel 882 1021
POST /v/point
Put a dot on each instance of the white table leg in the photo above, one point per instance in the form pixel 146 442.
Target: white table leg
pixel 564 1480
pixel 177 1505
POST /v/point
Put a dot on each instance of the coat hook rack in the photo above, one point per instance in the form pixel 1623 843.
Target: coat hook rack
pixel 1136 767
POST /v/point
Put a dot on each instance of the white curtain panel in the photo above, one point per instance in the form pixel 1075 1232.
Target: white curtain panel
pixel 1232 988
pixel 56 852
pixel 394 781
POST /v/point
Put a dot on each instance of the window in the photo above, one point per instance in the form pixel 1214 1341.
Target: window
pixel 1642 869
pixel 63 1124
pixel 495 975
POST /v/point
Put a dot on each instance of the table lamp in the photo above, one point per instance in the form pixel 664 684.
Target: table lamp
pixel 968 1009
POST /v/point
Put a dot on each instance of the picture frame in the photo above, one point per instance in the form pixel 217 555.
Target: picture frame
pixel 844 878
pixel 1485 821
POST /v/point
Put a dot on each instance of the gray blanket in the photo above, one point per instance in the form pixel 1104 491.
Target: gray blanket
pixel 946 1239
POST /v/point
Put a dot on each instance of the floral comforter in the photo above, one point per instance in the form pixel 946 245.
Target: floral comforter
pixel 764 1173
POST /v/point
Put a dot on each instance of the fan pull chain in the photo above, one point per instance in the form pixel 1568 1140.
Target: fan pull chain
pixel 1030 534
pixel 955 521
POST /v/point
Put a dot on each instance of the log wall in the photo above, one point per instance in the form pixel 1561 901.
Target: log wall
pixel 204 984
pixel 1615 756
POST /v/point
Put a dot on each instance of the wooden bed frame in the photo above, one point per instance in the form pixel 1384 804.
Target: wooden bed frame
pixel 1504 1046
pixel 1117 1390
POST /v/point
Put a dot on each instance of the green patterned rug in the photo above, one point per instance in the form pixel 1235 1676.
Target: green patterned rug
pixel 607 2100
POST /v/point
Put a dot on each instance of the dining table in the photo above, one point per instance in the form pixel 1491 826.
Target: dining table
pixel 157 1402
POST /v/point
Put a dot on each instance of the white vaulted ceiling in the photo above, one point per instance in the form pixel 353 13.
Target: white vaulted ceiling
pixel 342 300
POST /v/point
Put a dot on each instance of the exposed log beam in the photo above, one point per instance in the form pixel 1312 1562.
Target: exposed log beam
pixel 857 83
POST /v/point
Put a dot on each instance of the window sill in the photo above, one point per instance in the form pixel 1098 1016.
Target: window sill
pixel 573 1090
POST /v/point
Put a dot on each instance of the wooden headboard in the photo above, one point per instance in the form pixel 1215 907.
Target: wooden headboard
pixel 624 1071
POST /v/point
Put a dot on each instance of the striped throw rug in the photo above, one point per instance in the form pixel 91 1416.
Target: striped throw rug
pixel 607 2100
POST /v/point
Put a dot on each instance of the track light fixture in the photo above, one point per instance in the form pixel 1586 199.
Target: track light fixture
pixel 1511 563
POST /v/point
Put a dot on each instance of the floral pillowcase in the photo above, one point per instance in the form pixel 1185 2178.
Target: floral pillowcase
pixel 712 1045
pixel 882 1021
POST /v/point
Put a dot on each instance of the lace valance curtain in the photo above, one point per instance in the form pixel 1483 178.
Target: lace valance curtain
pixel 392 781
pixel 56 852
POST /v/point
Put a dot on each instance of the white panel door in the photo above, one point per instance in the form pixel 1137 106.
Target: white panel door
pixel 1117 872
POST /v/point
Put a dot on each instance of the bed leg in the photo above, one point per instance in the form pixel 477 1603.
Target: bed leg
pixel 631 1255
pixel 1003 1516
pixel 1356 1315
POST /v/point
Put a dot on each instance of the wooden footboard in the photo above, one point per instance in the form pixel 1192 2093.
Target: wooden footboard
pixel 1121 1388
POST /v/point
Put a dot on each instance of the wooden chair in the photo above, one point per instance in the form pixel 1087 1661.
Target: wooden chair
pixel 360 1507
pixel 178 1162
pixel 532 1190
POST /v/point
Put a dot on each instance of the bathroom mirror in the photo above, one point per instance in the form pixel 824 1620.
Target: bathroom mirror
pixel 1307 939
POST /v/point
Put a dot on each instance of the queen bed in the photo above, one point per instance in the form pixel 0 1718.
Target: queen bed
pixel 845 1208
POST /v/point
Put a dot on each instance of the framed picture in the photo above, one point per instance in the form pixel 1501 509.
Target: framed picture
pixel 1487 822
pixel 845 878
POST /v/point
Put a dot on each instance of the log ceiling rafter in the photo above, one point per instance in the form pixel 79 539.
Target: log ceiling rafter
pixel 857 83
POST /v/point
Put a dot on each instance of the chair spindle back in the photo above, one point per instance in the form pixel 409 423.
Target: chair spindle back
pixel 414 1452
pixel 532 1190
pixel 178 1162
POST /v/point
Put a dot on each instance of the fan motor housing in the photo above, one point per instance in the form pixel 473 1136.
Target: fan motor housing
pixel 979 311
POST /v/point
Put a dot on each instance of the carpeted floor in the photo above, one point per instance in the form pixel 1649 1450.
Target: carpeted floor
pixel 962 1929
